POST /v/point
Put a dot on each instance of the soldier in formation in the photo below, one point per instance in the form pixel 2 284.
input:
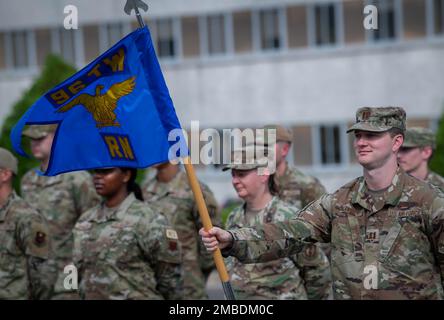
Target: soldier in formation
pixel 295 187
pixel 61 199
pixel 27 268
pixel 415 154
pixel 122 248
pixel 385 227
pixel 168 192
pixel 301 276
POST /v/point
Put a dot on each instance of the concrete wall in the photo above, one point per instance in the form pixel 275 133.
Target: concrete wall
pixel 308 86
pixel 11 89
pixel 317 87
pixel 42 13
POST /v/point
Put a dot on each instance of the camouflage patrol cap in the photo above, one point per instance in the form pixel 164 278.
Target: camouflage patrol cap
pixel 247 158
pixel 419 137
pixel 282 134
pixel 379 119
pixel 39 131
pixel 8 161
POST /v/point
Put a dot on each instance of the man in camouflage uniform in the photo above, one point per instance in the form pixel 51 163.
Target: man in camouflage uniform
pixel 302 276
pixel 386 228
pixel 415 154
pixel 294 186
pixel 61 199
pixel 27 270
pixel 168 192
pixel 127 252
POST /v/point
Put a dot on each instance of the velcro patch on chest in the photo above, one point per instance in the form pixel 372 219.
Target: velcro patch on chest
pixel 372 236
pixel 406 212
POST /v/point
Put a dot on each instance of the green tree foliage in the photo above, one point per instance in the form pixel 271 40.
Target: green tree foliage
pixel 54 71
pixel 437 162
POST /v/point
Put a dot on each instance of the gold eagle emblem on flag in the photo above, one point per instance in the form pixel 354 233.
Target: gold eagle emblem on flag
pixel 102 106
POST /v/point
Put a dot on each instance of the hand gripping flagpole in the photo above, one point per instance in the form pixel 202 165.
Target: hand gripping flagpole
pixel 192 179
pixel 206 221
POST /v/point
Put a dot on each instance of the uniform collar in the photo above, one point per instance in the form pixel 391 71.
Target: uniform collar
pixel 269 205
pixel 4 210
pixel 44 180
pixel 391 196
pixel 430 175
pixel 166 187
pixel 116 213
pixel 287 173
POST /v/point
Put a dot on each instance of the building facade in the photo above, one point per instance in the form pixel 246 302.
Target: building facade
pixel 306 64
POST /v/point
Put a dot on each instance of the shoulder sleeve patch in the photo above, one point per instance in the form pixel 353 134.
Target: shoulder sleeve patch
pixel 39 242
pixel 170 250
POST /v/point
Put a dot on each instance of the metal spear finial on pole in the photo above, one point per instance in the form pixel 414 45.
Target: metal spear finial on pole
pixel 136 4
pixel 192 179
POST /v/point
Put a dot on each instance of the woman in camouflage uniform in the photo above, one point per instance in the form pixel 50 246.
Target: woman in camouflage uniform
pixel 122 249
pixel 302 276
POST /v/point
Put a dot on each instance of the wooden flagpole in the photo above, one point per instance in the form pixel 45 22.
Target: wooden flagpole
pixel 192 179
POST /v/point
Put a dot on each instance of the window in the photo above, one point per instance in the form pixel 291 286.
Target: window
pixel 330 144
pixel 325 24
pixel 110 34
pixel 2 51
pixel 353 22
pixel 67 45
pixel 190 36
pixel 438 10
pixel 115 33
pixel 242 32
pixel 386 20
pixel 165 38
pixel 43 40
pixel 19 49
pixel 301 146
pixel 297 26
pixel 414 18
pixel 269 29
pixel 216 34
pixel 91 42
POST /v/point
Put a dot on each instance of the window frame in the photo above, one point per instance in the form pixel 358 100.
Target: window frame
pixel 344 147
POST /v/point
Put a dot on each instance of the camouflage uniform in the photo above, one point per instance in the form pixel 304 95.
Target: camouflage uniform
pixel 294 186
pixel 417 137
pixel 128 252
pixel 385 245
pixel 398 233
pixel 176 200
pixel 61 199
pixel 27 270
pixel 298 188
pixel 302 276
pixel 436 180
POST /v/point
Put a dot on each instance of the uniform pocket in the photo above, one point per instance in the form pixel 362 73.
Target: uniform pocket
pixel 406 249
pixel 9 252
pixel 342 244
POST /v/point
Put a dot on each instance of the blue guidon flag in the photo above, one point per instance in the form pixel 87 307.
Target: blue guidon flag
pixel 115 112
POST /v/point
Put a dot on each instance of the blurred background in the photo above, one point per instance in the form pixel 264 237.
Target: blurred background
pixel 305 64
